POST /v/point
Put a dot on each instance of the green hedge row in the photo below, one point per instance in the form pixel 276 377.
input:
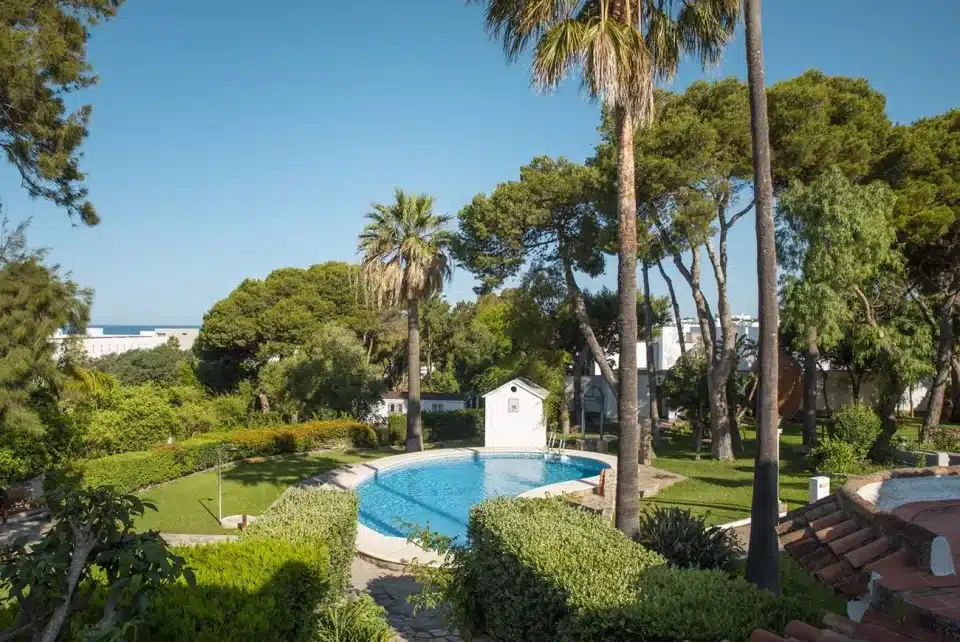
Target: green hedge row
pixel 264 590
pixel 582 580
pixel 317 518
pixel 440 426
pixel 132 471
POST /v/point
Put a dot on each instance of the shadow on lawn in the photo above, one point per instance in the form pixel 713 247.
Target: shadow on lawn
pixel 286 471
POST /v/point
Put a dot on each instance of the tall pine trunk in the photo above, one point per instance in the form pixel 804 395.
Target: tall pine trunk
pixel 721 440
pixel 578 365
pixel 944 363
pixel 955 386
pixel 628 501
pixel 763 560
pixel 811 357
pixel 414 420
pixel 675 304
pixel 651 357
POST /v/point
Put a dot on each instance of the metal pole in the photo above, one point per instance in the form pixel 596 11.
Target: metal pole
pixel 583 415
pixel 220 487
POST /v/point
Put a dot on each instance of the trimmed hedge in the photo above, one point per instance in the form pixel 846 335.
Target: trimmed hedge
pixel 261 590
pixel 440 426
pixel 128 472
pixel 317 518
pixel 536 563
pixel 541 570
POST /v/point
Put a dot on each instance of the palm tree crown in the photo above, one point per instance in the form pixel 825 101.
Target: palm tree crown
pixel 406 250
pixel 620 46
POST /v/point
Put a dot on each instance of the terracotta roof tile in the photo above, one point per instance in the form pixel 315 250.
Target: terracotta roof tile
pixel 862 556
pixel 803 547
pixel 765 636
pixel 835 573
pixel 854 540
pixel 831 533
pixel 832 519
pixel 802 631
pixel 795 536
pixel 853 586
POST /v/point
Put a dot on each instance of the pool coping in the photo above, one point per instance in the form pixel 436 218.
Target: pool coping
pixel 396 553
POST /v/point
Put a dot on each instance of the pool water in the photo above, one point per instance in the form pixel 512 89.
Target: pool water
pixel 440 492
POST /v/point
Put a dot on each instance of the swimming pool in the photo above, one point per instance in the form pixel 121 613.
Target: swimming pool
pixel 441 491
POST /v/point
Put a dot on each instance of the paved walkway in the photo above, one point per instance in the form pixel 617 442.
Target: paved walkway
pixel 390 590
pixel 16 527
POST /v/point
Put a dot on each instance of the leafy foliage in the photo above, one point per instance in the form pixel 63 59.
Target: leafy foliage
pixel 135 470
pixel 446 425
pixel 685 387
pixel 92 538
pixel 686 541
pixel 330 373
pixel 165 366
pixel 44 47
pixel 314 517
pixel 857 425
pixel 361 620
pixel 260 320
pixel 946 439
pixel 837 457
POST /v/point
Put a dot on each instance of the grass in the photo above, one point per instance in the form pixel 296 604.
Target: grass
pixel 189 505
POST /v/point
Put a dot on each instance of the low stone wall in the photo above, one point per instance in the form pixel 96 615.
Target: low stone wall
pixel 907 535
pixel 909 457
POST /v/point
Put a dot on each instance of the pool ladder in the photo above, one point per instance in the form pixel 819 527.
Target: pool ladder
pixel 556 445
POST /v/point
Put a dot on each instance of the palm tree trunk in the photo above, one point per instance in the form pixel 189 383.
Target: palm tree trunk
pixel 944 359
pixel 763 560
pixel 414 420
pixel 651 357
pixel 628 501
pixel 675 304
pixel 955 385
pixel 811 358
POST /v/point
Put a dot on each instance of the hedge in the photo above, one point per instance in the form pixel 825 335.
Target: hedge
pixel 317 518
pixel 581 580
pixel 261 590
pixel 440 426
pixel 528 580
pixel 132 471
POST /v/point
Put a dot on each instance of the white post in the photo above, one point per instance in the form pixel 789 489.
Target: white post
pixel 819 487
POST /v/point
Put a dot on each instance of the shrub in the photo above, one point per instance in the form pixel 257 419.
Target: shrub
pixel 946 440
pixel 359 621
pixel 857 425
pixel 453 424
pixel 251 590
pixel 314 517
pixel 135 470
pixel 536 563
pixel 397 428
pixel 837 458
pixel 686 541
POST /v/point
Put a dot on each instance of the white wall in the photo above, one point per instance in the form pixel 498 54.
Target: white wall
pixel 399 406
pixel 525 428
pixel 96 344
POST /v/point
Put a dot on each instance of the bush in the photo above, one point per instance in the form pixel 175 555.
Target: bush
pixel 397 429
pixel 837 458
pixel 261 590
pixel 528 580
pixel 359 621
pixel 946 440
pixel 317 517
pixel 857 425
pixel 135 470
pixel 453 424
pixel 686 541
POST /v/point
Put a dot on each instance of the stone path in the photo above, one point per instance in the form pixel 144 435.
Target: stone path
pixel 390 590
pixel 32 527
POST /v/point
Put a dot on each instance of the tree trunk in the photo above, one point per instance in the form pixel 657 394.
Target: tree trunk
pixel 82 547
pixel 697 438
pixel 264 402
pixel 414 420
pixel 763 560
pixel 855 382
pixel 823 387
pixel 888 412
pixel 628 501
pixel 721 442
pixel 583 321
pixel 675 304
pixel 651 357
pixel 811 357
pixel 955 385
pixel 564 411
pixel 944 362
pixel 578 388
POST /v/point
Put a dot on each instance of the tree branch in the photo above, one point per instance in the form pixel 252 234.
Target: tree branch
pixel 736 217
pixel 867 308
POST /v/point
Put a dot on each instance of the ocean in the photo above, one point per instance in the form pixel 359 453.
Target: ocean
pixel 135 329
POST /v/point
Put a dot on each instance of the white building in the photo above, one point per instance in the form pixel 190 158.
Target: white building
pixel 97 344
pixel 513 415
pixel 396 403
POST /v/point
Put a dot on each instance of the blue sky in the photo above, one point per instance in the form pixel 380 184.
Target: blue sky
pixel 232 138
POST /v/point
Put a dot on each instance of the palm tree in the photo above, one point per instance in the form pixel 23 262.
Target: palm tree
pixel 763 561
pixel 406 258
pixel 620 48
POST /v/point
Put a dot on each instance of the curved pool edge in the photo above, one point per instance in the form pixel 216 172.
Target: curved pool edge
pixel 395 553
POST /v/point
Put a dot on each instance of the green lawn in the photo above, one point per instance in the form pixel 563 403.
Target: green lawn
pixel 189 505
pixel 723 491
